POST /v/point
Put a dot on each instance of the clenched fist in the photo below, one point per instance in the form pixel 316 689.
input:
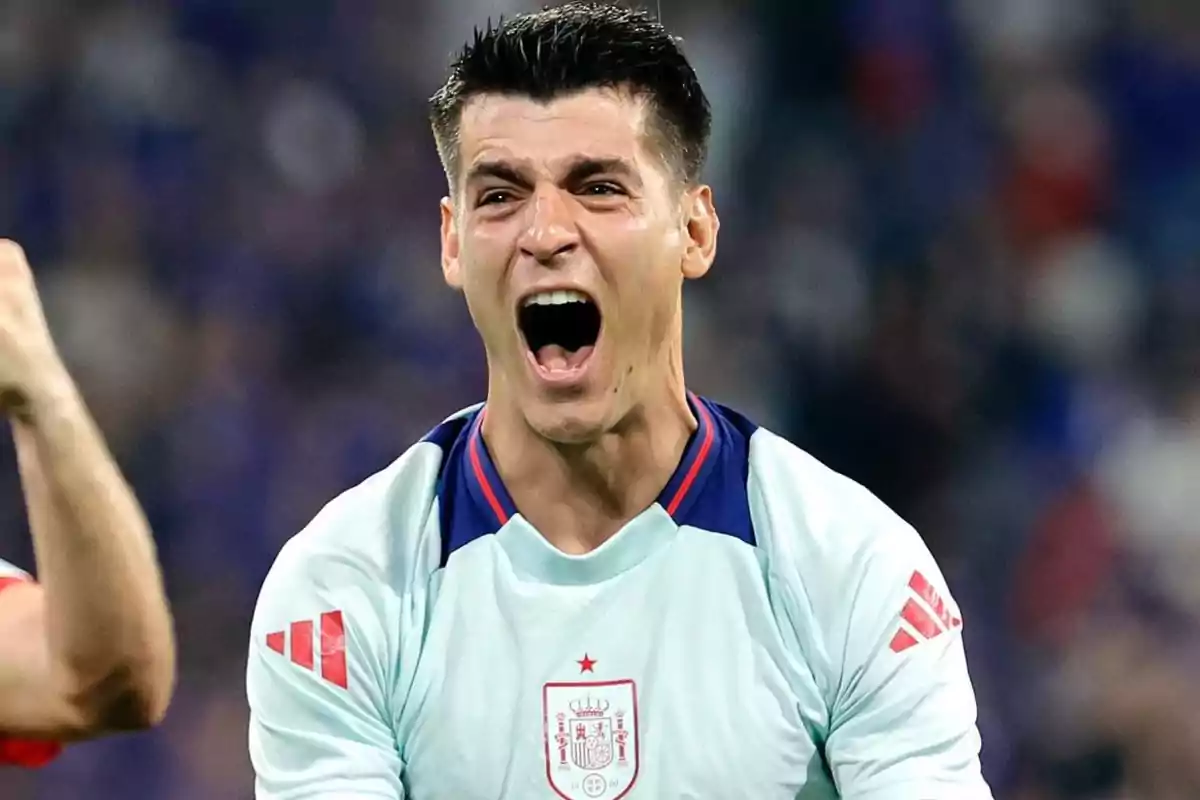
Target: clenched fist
pixel 31 371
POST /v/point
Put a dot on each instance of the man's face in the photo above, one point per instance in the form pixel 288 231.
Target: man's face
pixel 570 239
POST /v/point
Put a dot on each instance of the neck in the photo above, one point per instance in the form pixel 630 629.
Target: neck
pixel 578 496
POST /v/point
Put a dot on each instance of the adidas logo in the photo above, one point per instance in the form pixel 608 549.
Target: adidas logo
pixel 297 643
pixel 923 617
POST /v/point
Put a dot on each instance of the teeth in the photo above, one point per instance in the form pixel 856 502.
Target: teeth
pixel 559 297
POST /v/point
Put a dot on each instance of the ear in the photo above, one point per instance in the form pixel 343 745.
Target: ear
pixel 451 267
pixel 701 224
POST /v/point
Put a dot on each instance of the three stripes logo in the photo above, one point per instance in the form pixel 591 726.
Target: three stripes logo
pixel 297 644
pixel 923 617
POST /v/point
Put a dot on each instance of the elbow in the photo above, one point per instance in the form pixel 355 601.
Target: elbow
pixel 131 697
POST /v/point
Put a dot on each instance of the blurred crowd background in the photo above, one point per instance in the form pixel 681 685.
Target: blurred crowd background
pixel 960 262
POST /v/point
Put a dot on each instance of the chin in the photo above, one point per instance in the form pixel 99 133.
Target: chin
pixel 569 422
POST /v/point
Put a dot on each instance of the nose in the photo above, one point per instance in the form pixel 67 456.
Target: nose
pixel 550 233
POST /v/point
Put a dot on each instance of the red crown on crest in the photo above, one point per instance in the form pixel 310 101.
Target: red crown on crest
pixel 589 707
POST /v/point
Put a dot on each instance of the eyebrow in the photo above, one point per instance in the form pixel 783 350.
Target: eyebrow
pixel 583 168
pixel 580 170
pixel 502 170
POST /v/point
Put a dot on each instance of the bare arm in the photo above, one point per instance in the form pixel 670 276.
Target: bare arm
pixel 91 648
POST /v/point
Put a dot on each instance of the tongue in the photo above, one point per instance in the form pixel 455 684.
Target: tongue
pixel 556 358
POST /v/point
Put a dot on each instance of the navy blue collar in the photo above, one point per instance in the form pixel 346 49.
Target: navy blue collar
pixel 707 489
pixel 482 479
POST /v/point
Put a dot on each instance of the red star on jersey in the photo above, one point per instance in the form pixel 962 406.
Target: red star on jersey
pixel 586 664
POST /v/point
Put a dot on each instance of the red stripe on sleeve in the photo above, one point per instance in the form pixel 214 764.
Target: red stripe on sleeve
pixel 926 592
pixel 302 644
pixel 902 641
pixel 29 754
pixel 333 648
pixel 7 582
pixel 919 618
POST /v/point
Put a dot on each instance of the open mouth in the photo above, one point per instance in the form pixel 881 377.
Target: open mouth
pixel 561 328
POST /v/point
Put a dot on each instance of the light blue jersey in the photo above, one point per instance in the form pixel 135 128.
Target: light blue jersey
pixel 767 630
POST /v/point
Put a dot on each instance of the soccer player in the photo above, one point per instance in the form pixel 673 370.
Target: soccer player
pixel 88 649
pixel 597 584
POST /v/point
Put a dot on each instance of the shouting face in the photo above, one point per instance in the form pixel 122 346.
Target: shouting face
pixel 570 236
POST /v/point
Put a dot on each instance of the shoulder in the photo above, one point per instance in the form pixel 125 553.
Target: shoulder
pixel 801 510
pixel 379 538
pixel 816 518
pixel 844 563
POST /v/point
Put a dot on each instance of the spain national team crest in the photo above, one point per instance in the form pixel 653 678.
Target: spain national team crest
pixel 591 738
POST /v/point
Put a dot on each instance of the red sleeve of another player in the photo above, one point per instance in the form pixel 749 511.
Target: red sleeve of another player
pixel 20 752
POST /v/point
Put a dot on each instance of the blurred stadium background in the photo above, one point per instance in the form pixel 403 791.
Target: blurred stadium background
pixel 960 262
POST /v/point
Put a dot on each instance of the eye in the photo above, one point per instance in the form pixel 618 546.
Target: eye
pixel 602 189
pixel 494 197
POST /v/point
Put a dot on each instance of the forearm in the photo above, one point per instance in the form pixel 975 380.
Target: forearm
pixel 108 626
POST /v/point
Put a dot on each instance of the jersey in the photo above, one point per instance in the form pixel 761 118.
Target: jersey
pixel 20 752
pixel 10 573
pixel 766 629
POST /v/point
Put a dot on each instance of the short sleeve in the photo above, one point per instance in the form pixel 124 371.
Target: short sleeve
pixel 30 754
pixel 10 574
pixel 903 719
pixel 317 682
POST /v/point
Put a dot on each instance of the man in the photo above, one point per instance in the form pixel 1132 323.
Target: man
pixel 90 648
pixel 598 585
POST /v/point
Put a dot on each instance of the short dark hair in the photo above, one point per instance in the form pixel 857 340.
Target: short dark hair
pixel 558 51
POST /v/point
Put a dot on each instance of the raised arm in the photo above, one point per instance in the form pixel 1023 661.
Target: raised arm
pixel 90 647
